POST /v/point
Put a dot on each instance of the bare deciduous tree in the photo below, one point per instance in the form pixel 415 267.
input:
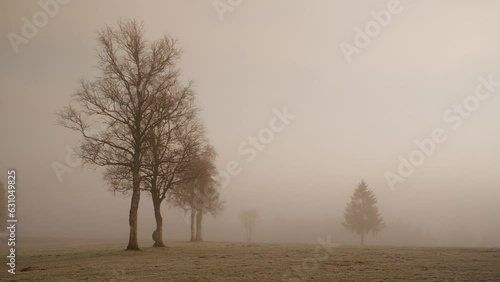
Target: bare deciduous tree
pixel 249 218
pixel 207 200
pixel 174 145
pixel 129 99
pixel 171 146
pixel 199 193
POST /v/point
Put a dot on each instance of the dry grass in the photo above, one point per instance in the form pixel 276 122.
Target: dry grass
pixel 71 260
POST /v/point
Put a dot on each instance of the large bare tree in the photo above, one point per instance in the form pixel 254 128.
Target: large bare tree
pixel 117 111
pixel 171 147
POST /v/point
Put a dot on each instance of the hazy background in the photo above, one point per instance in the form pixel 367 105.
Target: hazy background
pixel 352 120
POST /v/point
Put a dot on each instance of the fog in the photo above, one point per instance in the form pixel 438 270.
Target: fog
pixel 348 121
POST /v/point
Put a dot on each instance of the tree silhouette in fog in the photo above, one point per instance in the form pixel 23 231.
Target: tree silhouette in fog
pixel 199 193
pixel 117 112
pixel 249 218
pixel 361 214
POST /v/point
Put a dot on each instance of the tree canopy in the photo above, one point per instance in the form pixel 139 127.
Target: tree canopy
pixel 117 112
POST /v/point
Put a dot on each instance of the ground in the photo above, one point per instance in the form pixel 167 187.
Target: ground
pixel 73 260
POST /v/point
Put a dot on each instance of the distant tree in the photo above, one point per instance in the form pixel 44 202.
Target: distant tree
pixel 129 98
pixel 199 193
pixel 361 214
pixel 173 148
pixel 3 207
pixel 249 218
pixel 207 202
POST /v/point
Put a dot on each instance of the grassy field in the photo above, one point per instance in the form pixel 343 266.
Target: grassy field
pixel 73 260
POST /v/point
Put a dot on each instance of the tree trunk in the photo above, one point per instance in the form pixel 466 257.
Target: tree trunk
pixel 249 232
pixel 193 229
pixel 199 218
pixel 362 239
pixel 134 206
pixel 159 224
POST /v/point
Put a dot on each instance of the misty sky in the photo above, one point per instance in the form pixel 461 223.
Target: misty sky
pixel 352 120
